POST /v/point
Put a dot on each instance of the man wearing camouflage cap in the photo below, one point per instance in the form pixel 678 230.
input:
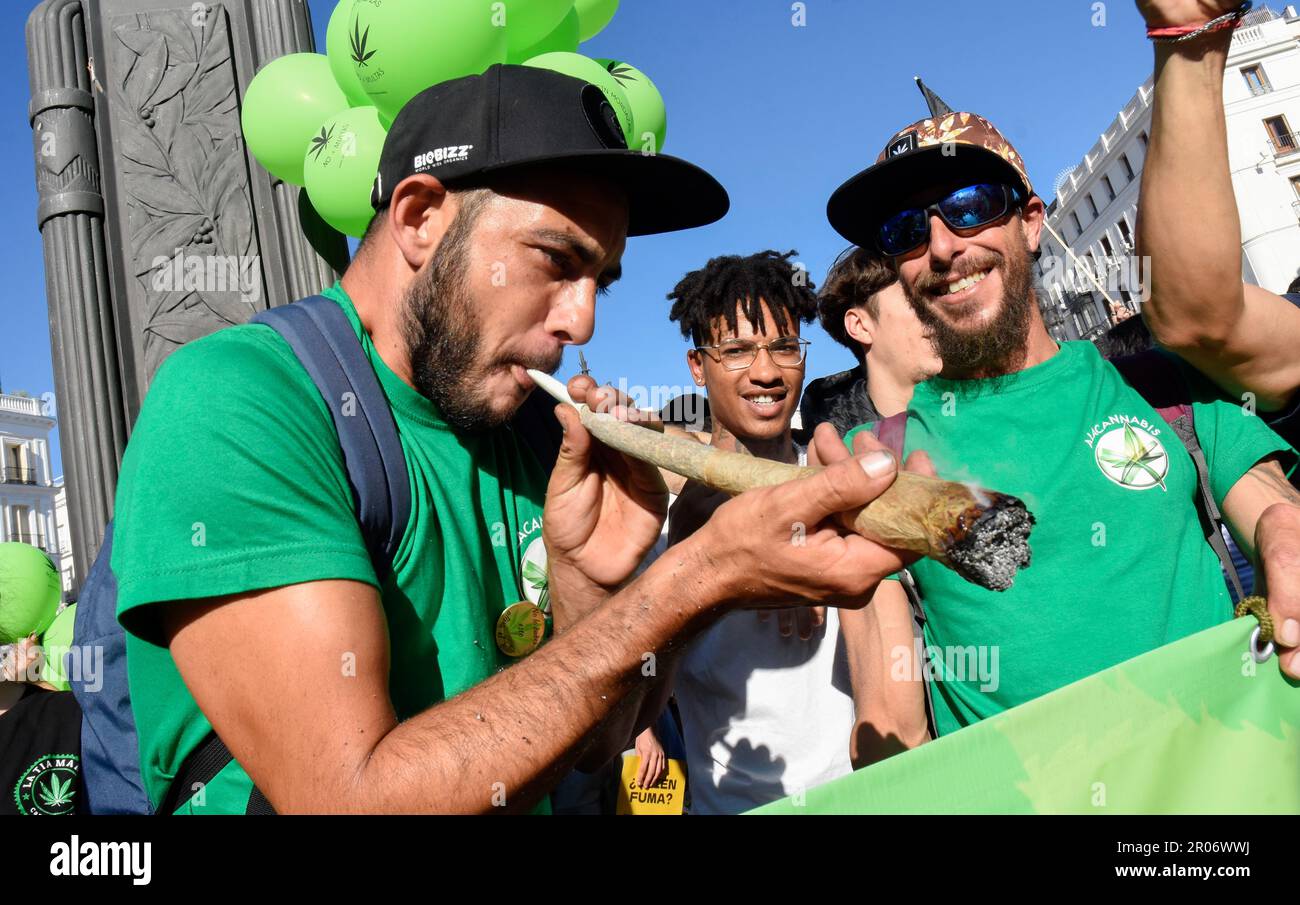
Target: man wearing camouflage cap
pixel 1121 562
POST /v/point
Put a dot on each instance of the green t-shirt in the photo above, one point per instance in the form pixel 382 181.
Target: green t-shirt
pixel 234 481
pixel 1120 562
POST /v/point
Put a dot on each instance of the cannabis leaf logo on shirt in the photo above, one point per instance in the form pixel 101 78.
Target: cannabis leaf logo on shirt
pixel 1136 457
pixel 360 55
pixel 535 576
pixel 57 794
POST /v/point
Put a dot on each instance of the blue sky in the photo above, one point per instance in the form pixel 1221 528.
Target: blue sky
pixel 780 114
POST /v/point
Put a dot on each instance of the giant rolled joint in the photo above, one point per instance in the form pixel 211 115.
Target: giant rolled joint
pixel 982 535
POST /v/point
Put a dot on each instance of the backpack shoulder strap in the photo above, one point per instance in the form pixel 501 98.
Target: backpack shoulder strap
pixel 322 337
pixel 1157 378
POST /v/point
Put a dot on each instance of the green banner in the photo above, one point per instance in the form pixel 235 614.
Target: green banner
pixel 1194 727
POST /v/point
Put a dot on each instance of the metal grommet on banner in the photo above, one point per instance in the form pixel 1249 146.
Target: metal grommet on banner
pixel 1258 607
pixel 1261 656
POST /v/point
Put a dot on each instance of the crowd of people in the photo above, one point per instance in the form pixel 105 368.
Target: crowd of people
pixel 548 603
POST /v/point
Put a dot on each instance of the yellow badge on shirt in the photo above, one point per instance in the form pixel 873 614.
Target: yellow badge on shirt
pixel 668 797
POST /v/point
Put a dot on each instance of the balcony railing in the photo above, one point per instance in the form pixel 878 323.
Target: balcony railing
pixel 12 474
pixel 36 539
pixel 1257 90
pixel 24 405
pixel 1287 143
pixel 1295 207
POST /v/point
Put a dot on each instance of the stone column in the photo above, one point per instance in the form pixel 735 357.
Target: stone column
pixel 157 225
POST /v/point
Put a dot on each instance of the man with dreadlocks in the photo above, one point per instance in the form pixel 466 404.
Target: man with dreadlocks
pixel 764 716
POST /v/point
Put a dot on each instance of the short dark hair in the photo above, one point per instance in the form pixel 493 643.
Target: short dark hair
pixel 689 411
pixel 855 278
pixel 376 224
pixel 472 205
pixel 727 283
pixel 1129 337
pixel 1294 287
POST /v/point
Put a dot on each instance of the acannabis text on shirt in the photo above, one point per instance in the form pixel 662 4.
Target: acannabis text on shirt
pixel 1115 420
pixel 103 859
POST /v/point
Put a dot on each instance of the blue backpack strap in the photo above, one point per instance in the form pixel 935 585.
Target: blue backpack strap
pixel 110 762
pixel 322 337
pixel 1159 381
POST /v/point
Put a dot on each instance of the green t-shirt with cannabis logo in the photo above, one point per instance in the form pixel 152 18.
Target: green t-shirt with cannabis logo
pixel 1120 562
pixel 234 482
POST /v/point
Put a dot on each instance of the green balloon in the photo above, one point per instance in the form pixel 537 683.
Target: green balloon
pixel 587 69
pixel 341 165
pixel 30 587
pixel 56 641
pixel 647 103
pixel 530 21
pixel 400 47
pixel 563 39
pixel 593 16
pixel 284 105
pixel 339 50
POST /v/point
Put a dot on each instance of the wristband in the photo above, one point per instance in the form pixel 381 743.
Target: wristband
pixel 1178 33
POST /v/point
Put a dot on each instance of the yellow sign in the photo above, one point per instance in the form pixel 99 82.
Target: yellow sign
pixel 668 797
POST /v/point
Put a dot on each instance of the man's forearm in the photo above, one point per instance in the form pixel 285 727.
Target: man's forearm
pixel 889 709
pixel 1189 226
pixel 506 742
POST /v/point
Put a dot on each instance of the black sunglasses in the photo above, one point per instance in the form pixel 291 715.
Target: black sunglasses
pixel 967 208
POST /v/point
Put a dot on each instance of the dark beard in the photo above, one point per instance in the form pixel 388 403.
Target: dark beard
pixel 443 337
pixel 1002 345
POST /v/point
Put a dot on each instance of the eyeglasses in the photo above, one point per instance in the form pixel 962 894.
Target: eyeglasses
pixel 738 354
pixel 968 208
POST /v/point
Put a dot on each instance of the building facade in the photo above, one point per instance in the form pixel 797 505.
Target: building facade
pixel 1094 215
pixel 28 488
pixel 65 558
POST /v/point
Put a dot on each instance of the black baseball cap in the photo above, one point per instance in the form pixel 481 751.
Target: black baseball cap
pixel 513 117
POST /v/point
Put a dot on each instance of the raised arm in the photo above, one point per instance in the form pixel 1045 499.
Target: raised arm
pixel 1242 337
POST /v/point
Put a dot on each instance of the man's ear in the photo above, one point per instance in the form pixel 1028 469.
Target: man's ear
pixel 858 325
pixel 418 216
pixel 695 361
pixel 1031 219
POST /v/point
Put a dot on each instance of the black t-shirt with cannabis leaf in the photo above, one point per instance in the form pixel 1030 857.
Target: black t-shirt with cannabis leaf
pixel 40 755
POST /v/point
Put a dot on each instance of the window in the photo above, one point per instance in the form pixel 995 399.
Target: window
pixel 1106 248
pixel 1142 136
pixel 1092 206
pixel 1078 228
pixel 1279 134
pixel 1128 167
pixel 19 522
pixel 1255 80
pixel 1126 234
pixel 1110 189
pixel 1295 185
pixel 16 465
